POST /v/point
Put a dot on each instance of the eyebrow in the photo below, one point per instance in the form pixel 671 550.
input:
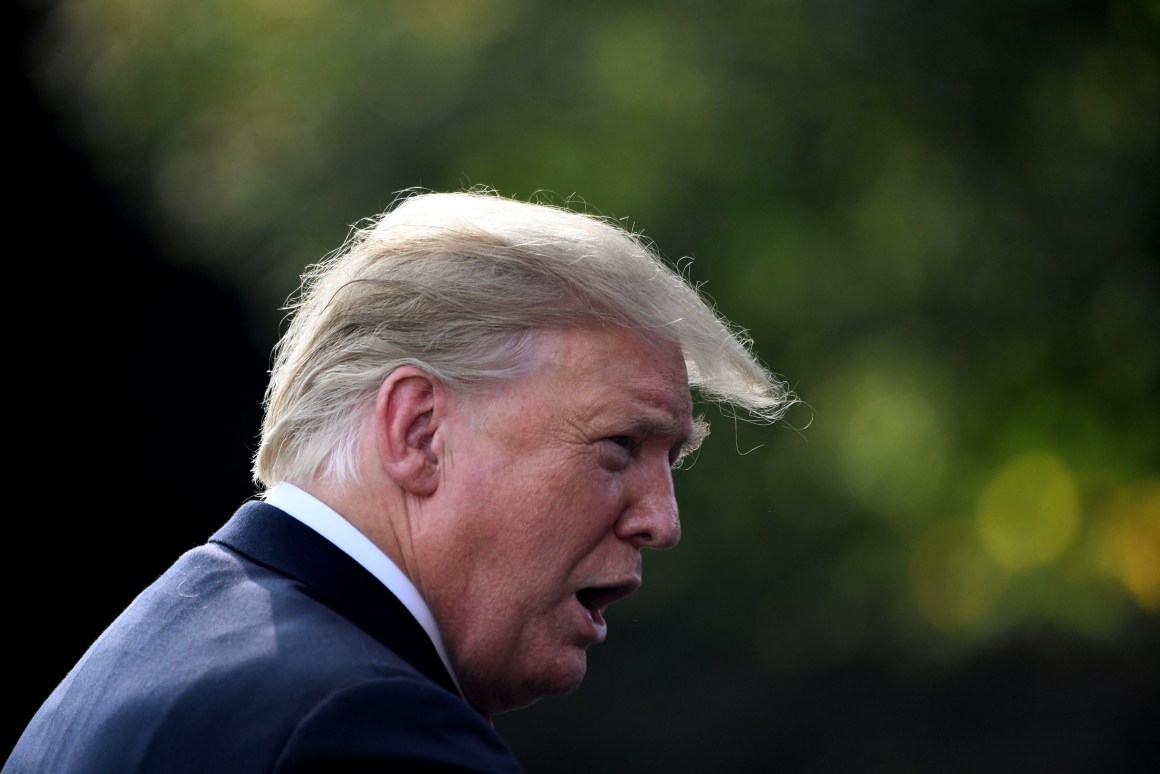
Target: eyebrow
pixel 689 436
pixel 693 441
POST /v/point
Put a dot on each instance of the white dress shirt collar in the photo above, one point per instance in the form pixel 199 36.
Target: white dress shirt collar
pixel 327 522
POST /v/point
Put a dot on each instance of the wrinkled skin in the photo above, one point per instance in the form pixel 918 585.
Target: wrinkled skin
pixel 547 495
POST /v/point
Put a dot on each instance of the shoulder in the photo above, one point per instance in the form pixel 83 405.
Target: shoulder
pixel 395 723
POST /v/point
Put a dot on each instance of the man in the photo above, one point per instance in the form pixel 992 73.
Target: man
pixel 468 440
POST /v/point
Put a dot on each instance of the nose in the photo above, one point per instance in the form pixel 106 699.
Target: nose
pixel 650 519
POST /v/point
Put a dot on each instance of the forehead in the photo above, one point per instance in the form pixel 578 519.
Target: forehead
pixel 594 372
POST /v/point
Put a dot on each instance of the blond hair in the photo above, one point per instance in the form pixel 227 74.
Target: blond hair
pixel 458 284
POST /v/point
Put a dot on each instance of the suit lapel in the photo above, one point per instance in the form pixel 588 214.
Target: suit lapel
pixel 277 540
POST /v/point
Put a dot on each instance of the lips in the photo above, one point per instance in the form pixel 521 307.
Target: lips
pixel 596 599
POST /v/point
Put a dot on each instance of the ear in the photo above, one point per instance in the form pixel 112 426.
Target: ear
pixel 408 410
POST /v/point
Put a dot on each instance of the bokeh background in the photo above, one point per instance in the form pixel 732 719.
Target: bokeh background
pixel 937 221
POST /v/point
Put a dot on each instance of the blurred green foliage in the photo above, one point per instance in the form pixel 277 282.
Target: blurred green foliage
pixel 938 221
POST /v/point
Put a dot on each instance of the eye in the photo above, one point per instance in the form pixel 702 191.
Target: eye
pixel 616 451
pixel 623 441
pixel 678 456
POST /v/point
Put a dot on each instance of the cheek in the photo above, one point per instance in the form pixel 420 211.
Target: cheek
pixel 532 520
pixel 585 509
pixel 555 524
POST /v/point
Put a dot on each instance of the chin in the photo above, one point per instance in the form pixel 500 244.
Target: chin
pixel 559 679
pixel 516 690
pixel 565 677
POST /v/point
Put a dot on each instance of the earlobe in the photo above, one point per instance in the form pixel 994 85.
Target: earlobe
pixel 407 415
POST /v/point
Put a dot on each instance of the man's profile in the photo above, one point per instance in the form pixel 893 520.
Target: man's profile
pixel 469 435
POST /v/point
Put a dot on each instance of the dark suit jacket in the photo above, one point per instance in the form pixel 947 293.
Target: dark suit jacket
pixel 267 649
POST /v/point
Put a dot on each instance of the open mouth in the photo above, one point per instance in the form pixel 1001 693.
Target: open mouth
pixel 597 598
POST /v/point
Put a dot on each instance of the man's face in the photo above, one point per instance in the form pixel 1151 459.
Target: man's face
pixel 547 499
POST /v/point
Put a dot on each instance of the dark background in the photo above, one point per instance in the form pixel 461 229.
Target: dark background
pixel 135 400
pixel 139 407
